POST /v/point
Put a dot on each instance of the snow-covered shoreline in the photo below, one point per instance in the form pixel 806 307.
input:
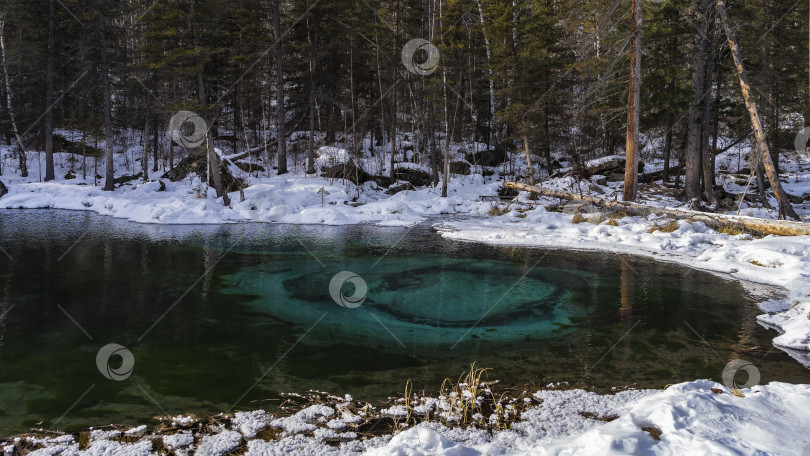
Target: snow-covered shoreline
pixel 694 418
pixel 699 417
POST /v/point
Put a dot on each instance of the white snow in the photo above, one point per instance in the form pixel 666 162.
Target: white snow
pixel 770 419
pixel 180 440
pixel 249 423
pixel 215 445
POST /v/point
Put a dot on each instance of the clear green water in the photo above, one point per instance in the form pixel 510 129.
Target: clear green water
pixel 222 317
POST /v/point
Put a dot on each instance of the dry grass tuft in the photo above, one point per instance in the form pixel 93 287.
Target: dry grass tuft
pixel 654 432
pixel 732 230
pixel 670 227
pixel 158 446
pixel 83 439
pixel 618 215
pixel 497 210
pixel 593 416
pixel 270 433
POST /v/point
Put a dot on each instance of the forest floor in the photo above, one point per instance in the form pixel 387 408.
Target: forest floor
pixel 700 417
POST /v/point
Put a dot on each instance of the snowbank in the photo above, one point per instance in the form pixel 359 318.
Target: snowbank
pixel 694 418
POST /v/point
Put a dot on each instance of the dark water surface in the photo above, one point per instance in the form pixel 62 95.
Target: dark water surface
pixel 223 316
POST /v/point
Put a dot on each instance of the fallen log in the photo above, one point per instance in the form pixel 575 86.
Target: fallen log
pixel 718 222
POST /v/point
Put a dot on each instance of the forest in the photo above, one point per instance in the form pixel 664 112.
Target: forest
pixel 549 81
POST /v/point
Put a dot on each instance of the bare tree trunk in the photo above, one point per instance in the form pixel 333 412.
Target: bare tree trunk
pixel 49 171
pixel 668 146
pixel 213 165
pixel 311 139
pixel 9 100
pixel 171 154
pixel 210 152
pixel 528 158
pixel 391 171
pixel 716 127
pixel 281 115
pixel 104 68
pixel 490 77
pixel 634 98
pixel 434 158
pixel 694 162
pixel 156 132
pixel 785 208
pixel 145 155
pixel 706 151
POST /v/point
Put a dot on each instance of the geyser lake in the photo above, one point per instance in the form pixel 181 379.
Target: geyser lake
pixel 229 317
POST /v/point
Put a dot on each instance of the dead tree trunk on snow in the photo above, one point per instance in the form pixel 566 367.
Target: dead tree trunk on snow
pixel 785 208
pixel 715 221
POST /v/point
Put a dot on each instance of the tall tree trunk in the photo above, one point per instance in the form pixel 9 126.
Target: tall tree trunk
pixel 716 126
pixel 490 77
pixel 213 165
pixel 634 98
pixel 145 154
pixel 311 139
pixel 770 84
pixel 281 114
pixel 155 133
pixel 547 138
pixel 10 101
pixel 104 68
pixel 210 151
pixel 434 158
pixel 49 171
pixel 706 151
pixel 668 146
pixel 694 162
pixel 530 168
pixel 785 208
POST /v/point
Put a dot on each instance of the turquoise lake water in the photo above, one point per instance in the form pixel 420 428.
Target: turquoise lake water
pixel 229 317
